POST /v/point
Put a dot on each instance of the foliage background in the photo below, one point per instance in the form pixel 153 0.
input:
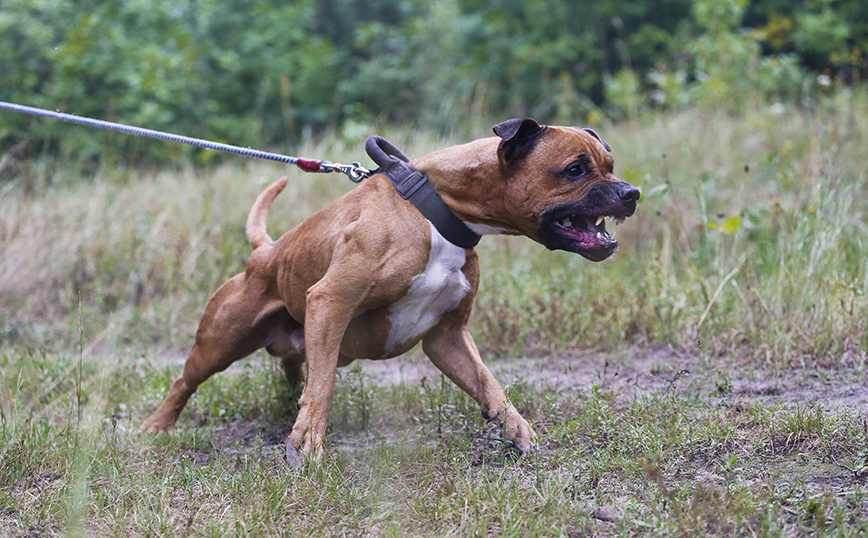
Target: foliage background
pixel 274 73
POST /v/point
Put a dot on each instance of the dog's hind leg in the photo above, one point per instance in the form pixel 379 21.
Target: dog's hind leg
pixel 238 320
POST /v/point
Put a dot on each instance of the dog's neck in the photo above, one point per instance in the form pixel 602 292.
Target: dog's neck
pixel 461 176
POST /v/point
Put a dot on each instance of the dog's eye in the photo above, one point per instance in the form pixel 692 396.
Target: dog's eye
pixel 575 171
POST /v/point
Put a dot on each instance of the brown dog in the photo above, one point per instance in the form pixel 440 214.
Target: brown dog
pixel 368 277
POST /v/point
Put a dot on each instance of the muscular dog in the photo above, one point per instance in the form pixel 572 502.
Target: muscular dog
pixel 368 276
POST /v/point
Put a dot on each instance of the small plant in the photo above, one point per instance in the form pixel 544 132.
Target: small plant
pixel 728 464
pixel 723 384
pixel 804 422
pixel 359 396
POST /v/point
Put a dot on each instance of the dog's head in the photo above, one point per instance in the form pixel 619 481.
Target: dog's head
pixel 561 186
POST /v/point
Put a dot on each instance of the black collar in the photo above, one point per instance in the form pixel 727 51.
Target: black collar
pixel 413 186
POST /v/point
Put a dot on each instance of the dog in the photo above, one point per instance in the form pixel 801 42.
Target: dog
pixel 369 277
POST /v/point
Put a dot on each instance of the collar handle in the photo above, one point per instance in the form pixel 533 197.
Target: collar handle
pixel 413 186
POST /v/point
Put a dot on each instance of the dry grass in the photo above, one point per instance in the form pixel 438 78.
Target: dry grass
pixel 782 287
pixel 145 250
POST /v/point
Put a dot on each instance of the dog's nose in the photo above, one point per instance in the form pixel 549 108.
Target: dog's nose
pixel 628 193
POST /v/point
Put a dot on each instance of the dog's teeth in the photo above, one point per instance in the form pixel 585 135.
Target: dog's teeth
pixel 599 235
pixel 567 221
pixel 600 219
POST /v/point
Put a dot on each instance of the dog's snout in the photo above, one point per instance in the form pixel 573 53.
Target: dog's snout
pixel 628 193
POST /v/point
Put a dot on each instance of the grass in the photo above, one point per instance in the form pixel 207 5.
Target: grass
pixel 684 461
pixel 747 260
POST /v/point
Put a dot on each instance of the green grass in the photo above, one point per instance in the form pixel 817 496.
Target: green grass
pixel 669 462
pixel 747 256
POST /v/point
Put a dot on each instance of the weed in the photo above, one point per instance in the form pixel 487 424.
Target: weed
pixel 804 422
pixel 359 395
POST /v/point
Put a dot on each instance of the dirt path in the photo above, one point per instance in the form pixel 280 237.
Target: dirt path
pixel 643 372
pixel 635 373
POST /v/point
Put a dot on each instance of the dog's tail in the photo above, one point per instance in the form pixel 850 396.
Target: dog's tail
pixel 256 229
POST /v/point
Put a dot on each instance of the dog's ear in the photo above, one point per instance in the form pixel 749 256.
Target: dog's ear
pixel 595 135
pixel 518 138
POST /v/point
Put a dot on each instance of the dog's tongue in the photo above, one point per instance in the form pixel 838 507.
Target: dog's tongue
pixel 586 232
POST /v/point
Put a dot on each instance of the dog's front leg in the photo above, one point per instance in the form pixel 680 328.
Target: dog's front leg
pixel 451 348
pixel 328 313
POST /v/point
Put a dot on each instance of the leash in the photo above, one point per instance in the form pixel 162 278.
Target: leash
pixel 411 184
pixel 356 172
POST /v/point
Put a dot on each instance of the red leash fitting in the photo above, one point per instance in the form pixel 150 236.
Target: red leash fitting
pixel 309 165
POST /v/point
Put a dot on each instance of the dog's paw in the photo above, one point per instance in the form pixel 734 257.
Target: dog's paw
pixel 308 452
pixel 519 435
pixel 304 444
pixel 523 447
pixel 157 424
pixel 519 451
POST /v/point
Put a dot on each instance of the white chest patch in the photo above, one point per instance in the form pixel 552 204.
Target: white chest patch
pixel 432 293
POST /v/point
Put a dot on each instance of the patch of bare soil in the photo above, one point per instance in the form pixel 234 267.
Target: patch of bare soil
pixel 648 371
pixel 644 372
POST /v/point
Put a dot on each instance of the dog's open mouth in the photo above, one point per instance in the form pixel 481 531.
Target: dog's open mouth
pixel 580 233
pixel 588 234
pixel 581 227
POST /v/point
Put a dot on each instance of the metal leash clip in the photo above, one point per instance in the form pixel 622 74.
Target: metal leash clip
pixel 356 172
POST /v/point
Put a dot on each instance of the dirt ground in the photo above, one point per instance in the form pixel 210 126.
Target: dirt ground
pixel 629 374
pixel 647 371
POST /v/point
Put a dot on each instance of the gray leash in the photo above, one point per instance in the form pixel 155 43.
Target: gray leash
pixel 356 172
